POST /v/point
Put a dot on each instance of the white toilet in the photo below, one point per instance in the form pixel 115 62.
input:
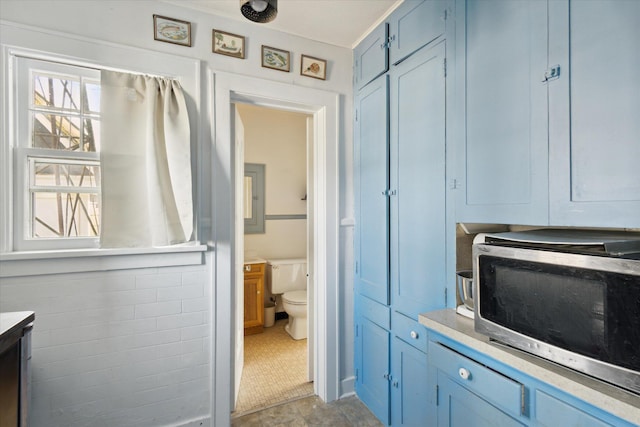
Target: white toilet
pixel 289 278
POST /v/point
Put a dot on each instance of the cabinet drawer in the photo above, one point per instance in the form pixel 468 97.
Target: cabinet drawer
pixel 254 268
pixel 552 412
pixel 376 312
pixel 409 331
pixel 495 388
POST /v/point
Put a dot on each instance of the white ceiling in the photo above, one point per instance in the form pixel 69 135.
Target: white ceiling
pixel 337 22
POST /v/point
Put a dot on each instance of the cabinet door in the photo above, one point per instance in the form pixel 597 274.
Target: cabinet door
pixel 409 385
pixel 458 407
pixel 371 56
pixel 418 257
pixel 595 113
pixel 372 368
pixel 253 302
pixel 414 24
pixel 503 149
pixel 371 182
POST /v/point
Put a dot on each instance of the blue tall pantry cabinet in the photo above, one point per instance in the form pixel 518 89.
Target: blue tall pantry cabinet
pixel 400 187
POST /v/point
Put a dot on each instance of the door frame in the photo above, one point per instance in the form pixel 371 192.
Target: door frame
pixel 324 106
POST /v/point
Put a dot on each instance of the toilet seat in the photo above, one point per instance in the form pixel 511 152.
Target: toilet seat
pixel 295 297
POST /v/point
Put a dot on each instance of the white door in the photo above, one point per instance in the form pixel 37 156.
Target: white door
pixel 238 129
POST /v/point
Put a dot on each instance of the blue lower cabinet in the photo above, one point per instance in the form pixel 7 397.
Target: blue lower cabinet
pixel 409 385
pixel 459 407
pixel 372 367
pixel 468 388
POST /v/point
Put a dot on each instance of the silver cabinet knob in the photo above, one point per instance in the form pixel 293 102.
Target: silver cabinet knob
pixel 414 335
pixel 464 373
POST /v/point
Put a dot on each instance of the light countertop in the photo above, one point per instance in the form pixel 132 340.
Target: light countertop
pixel 11 326
pixel 614 400
pixel 254 261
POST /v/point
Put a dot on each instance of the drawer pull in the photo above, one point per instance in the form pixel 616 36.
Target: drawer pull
pixel 414 335
pixel 464 373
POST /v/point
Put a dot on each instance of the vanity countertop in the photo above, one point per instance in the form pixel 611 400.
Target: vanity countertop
pixel 618 402
pixel 254 261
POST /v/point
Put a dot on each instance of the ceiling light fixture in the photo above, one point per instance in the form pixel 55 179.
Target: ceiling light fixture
pixel 259 10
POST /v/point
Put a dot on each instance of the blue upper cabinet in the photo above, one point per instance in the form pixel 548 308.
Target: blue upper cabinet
pixel 501 53
pixel 371 184
pixel 418 223
pixel 594 115
pixel 371 56
pixel 413 25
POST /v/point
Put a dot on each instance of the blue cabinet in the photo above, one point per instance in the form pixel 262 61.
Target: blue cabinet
pixel 371 56
pixel 594 113
pixel 372 382
pixel 414 24
pixel 501 52
pixel 371 183
pixel 409 385
pixel 459 407
pixel 548 101
pixel 417 182
pixel 467 387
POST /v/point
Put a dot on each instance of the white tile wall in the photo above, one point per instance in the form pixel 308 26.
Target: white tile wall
pixel 124 348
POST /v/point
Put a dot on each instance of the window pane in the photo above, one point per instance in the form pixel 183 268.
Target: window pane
pixel 65 214
pixel 56 132
pixel 49 174
pixel 56 92
pixel 92 97
pixel 91 138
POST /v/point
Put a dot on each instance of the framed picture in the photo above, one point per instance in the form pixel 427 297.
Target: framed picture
pixel 171 30
pixel 313 67
pixel 275 58
pixel 228 44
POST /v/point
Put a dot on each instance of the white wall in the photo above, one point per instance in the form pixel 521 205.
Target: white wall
pixel 278 139
pixel 78 366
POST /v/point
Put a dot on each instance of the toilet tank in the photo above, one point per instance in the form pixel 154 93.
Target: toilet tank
pixel 287 275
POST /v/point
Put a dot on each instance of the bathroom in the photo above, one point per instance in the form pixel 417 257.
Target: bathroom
pixel 274 145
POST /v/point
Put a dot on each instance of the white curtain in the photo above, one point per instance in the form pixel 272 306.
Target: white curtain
pixel 146 162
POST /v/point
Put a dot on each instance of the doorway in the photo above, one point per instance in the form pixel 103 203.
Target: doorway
pixel 272 147
pixel 324 107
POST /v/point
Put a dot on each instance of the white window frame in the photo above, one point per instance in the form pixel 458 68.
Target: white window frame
pixel 24 70
pixel 26 41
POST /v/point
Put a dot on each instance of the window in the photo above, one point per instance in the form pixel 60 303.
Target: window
pixel 57 146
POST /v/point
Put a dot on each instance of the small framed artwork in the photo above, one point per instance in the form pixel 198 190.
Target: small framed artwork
pixel 313 67
pixel 171 30
pixel 228 44
pixel 277 59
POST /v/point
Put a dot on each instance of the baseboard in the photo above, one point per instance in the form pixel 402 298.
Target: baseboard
pixel 347 387
pixel 198 422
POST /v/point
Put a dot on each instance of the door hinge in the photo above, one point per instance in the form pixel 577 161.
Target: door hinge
pixel 387 44
pixel 356 115
pixel 522 400
pixel 444 67
pixel 389 193
pixel 356 267
pixel 437 395
pixel 445 296
pixel 453 184
pixel 551 73
pixel 356 374
pixel 356 331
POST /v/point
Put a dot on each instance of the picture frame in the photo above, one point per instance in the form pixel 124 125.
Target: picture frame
pixel 228 44
pixel 171 30
pixel 313 67
pixel 276 59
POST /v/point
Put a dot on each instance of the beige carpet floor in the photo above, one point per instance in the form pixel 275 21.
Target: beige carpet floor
pixel 275 369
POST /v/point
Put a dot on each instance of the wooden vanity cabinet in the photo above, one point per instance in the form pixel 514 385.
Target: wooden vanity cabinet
pixel 254 275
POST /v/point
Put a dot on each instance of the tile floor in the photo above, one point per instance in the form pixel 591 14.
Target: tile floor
pixel 275 370
pixel 311 411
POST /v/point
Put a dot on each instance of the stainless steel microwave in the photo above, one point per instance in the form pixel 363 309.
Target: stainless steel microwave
pixel 570 297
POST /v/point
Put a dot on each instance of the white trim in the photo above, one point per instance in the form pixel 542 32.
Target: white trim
pixel 36 263
pixel 325 108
